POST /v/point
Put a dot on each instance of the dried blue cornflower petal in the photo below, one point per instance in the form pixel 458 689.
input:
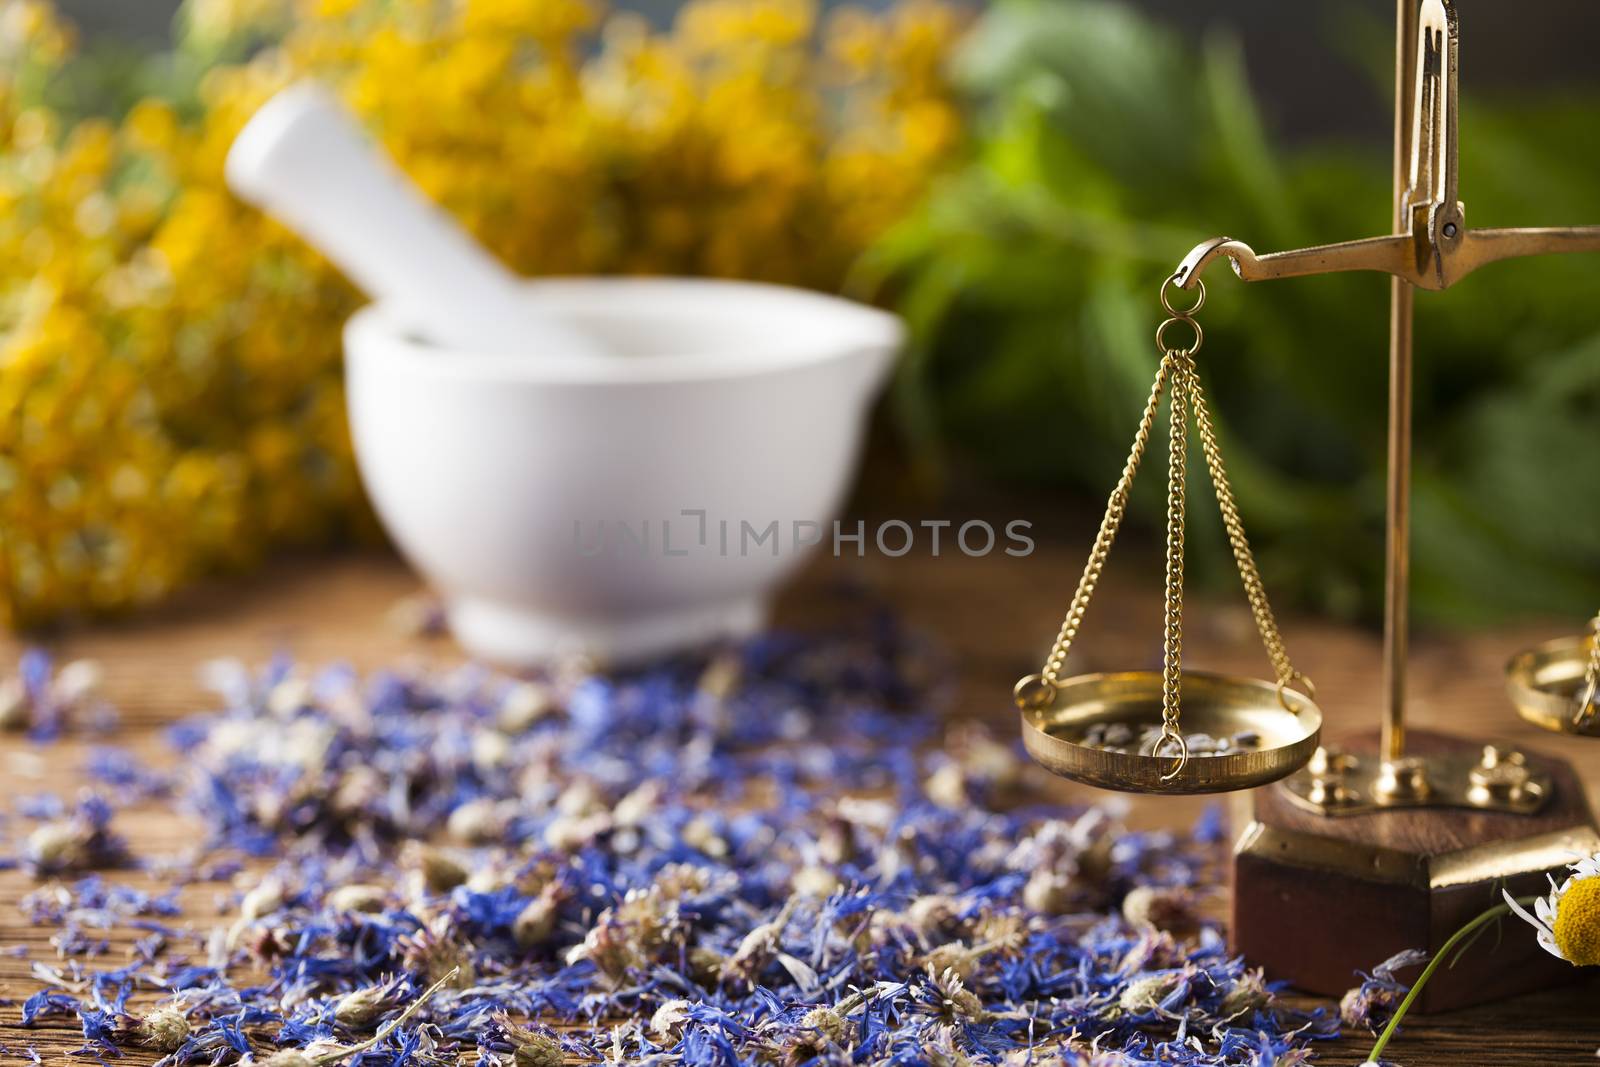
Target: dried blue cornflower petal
pixel 125 773
pixel 99 1031
pixel 1372 1004
pixel 41 806
pixel 47 1002
pixel 661 861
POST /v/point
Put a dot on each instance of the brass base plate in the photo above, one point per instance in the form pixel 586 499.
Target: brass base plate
pixel 1337 783
pixel 1315 898
pixel 1544 685
pixel 1213 704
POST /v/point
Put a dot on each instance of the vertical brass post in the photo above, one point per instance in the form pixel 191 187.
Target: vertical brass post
pixel 1398 540
pixel 1398 549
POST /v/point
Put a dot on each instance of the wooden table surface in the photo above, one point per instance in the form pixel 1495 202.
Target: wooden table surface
pixel 995 616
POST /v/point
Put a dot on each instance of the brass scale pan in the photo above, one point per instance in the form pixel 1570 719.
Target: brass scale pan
pixel 1278 726
pixel 1555 685
pixel 1214 704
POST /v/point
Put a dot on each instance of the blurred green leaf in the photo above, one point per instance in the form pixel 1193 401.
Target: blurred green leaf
pixel 1103 150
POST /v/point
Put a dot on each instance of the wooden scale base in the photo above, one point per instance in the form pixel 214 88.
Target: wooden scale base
pixel 1317 898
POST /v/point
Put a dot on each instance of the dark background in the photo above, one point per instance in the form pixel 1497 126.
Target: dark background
pixel 1313 61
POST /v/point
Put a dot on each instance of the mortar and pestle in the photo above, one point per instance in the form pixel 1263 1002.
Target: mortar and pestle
pixel 571 463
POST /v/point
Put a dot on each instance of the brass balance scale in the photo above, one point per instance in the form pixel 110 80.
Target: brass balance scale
pixel 1354 854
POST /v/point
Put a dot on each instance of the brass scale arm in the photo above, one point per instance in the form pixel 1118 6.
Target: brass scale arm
pixel 1433 249
pixel 1423 263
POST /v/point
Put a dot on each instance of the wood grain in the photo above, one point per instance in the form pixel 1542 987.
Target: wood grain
pixel 994 615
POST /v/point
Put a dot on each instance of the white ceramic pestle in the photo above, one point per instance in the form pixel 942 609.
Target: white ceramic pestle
pixel 303 160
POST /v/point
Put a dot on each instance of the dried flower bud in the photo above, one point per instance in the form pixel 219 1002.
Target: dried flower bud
pixel 263 900
pixel 701 835
pixel 492 875
pixel 1007 931
pixel 678 880
pixel 876 815
pixel 306 744
pixel 668 1020
pixel 634 808
pixel 819 1030
pixel 1249 995
pixel 609 948
pixel 758 947
pixel 705 964
pixel 569 833
pixel 267 805
pixel 366 899
pixel 720 678
pixel 899 854
pixel 827 1021
pixel 582 797
pixel 63 845
pixel 947 787
pixel 78 682
pixel 491 749
pixel 436 952
pixel 968 1006
pixel 959 1002
pixel 417 615
pixel 1146 994
pixel 476 822
pixel 1048 892
pixel 262 942
pixel 165 1029
pixel 289 1057
pixel 931 912
pixel 536 1048
pixel 1167 908
pixel 536 922
pixel 961 960
pixel 836 843
pixel 288 697
pixel 941 1050
pixel 1355 1007
pixel 16 709
pixel 1153 950
pixel 440 871
pixel 362 1006
pixel 358 789
pixel 813 880
pixel 325 1050
pixel 989 760
pixel 524 705
pixel 83 840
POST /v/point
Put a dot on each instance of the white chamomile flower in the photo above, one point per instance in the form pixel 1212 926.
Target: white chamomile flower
pixel 1568 919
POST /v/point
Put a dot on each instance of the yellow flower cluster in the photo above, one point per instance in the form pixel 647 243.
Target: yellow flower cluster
pixel 170 394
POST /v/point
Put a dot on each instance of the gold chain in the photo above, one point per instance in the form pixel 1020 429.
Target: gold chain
pixel 1172 644
pixel 1254 591
pixel 1116 508
pixel 1177 369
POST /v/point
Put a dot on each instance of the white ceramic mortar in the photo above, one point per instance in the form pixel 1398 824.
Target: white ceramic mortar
pixel 493 473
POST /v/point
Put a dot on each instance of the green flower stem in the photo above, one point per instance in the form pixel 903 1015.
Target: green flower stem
pixel 1427 972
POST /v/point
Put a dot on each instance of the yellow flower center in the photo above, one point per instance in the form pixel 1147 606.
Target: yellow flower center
pixel 1577 925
